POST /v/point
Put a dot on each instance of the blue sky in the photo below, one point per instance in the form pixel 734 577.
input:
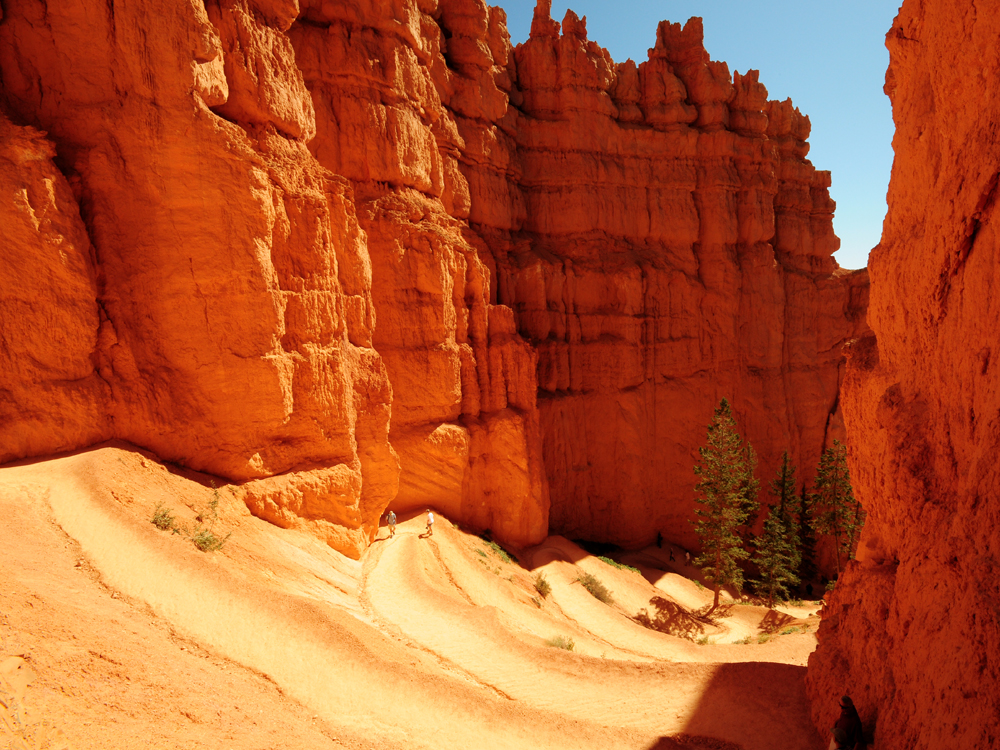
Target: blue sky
pixel 829 57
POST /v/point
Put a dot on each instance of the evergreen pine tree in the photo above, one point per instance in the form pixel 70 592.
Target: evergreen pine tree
pixel 807 539
pixel 749 487
pixel 724 495
pixel 835 511
pixel 776 557
pixel 783 489
pixel 855 524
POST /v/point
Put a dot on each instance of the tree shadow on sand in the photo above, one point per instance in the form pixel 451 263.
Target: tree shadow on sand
pixel 671 618
pixel 773 621
pixel 709 614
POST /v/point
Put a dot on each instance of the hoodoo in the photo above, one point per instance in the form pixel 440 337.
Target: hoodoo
pixel 354 254
pixel 913 627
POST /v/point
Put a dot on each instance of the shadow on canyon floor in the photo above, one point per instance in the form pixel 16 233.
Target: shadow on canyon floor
pixel 669 617
pixel 731 707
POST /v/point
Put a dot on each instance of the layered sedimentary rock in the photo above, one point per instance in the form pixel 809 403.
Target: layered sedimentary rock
pixel 464 419
pixel 352 252
pixel 664 243
pixel 913 627
pixel 51 396
pixel 228 270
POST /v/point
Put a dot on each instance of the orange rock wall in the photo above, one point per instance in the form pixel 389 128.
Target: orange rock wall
pixel 51 395
pixel 464 419
pixel 664 243
pixel 912 629
pixel 232 282
pixel 354 252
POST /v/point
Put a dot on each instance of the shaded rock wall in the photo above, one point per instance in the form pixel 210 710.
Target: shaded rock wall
pixel 912 628
pixel 355 252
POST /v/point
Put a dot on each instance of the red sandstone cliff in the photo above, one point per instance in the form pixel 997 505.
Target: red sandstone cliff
pixel 912 628
pixel 226 304
pixel 358 252
pixel 664 244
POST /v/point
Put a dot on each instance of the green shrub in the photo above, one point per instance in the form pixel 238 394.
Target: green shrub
pixel 536 601
pixel 204 537
pixel 163 519
pixel 794 602
pixel 205 540
pixel 499 551
pixel 699 584
pixel 595 587
pixel 795 629
pixel 561 641
pixel 763 638
pixel 616 564
pixel 542 586
pixel 704 641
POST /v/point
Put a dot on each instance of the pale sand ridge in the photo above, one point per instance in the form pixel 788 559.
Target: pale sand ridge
pixel 426 642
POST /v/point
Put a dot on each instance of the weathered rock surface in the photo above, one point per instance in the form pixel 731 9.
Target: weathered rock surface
pixel 464 416
pixel 913 626
pixel 51 396
pixel 231 274
pixel 664 243
pixel 354 252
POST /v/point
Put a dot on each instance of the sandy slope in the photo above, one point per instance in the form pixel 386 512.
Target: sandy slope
pixel 116 634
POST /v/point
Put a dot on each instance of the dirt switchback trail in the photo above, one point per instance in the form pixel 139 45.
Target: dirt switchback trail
pixel 433 591
pixel 113 628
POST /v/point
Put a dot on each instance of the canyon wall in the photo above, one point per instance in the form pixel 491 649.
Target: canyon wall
pixel 358 253
pixel 913 627
pixel 668 245
pixel 224 298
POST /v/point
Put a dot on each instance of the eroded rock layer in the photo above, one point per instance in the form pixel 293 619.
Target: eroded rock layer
pixel 232 281
pixel 664 243
pixel 354 252
pixel 913 627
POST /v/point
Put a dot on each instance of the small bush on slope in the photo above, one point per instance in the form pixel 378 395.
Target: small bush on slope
pixel 561 641
pixel 616 564
pixel 163 519
pixel 542 586
pixel 596 588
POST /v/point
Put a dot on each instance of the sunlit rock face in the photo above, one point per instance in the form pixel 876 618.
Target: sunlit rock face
pixel 356 253
pixel 664 243
pixel 51 395
pixel 224 296
pixel 913 628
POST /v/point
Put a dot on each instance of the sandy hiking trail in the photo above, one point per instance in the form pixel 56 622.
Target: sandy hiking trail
pixel 114 633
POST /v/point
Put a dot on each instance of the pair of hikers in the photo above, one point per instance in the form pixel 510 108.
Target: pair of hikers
pixel 847 732
pixel 390 519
